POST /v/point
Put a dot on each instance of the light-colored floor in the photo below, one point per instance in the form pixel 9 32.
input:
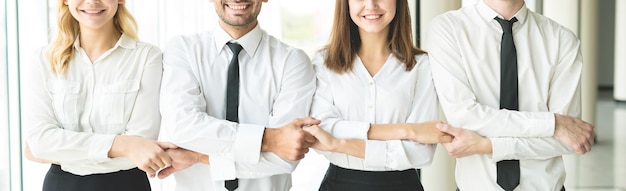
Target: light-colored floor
pixel 602 169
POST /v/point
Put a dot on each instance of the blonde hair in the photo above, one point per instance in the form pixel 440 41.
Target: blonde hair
pixel 60 52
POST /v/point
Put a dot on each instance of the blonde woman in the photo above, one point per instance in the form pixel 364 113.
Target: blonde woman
pixel 92 99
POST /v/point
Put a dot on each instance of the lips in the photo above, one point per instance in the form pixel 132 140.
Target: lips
pixel 237 7
pixel 371 17
pixel 93 11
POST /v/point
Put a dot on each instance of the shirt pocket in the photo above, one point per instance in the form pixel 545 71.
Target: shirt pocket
pixel 118 102
pixel 64 95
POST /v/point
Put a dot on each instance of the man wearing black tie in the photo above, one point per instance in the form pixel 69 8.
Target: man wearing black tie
pixel 234 100
pixel 509 78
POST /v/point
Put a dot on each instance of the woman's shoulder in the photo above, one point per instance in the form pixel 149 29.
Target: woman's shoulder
pixel 421 61
pixel 148 46
pixel 318 57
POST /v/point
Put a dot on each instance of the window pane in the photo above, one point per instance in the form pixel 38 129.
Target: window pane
pixel 4 124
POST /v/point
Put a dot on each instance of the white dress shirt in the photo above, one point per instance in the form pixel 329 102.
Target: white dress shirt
pixel 277 83
pixel 73 118
pixel 348 103
pixel 464 48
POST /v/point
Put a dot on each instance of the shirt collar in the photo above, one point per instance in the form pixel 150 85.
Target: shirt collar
pixel 124 42
pixel 250 41
pixel 489 14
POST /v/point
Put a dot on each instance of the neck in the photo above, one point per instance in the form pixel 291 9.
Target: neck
pixel 506 8
pixel 98 40
pixel 373 43
pixel 237 32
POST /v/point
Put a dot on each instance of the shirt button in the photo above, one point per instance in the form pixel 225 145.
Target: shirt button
pixel 371 83
pixel 369 106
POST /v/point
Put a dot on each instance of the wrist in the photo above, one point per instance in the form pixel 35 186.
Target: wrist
pixel 557 125
pixel 118 148
pixel 337 145
pixel 408 131
pixel 202 158
pixel 486 146
pixel 267 141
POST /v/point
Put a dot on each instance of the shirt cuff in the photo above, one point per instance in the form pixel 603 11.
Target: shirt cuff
pixel 99 147
pixel 502 149
pixel 247 145
pixel 542 125
pixel 222 168
pixel 351 130
pixel 375 154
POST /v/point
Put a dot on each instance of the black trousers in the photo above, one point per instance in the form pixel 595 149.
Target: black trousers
pixel 341 179
pixel 562 189
pixel 126 180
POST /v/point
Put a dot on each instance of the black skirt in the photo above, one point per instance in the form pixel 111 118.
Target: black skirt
pixel 342 179
pixel 125 180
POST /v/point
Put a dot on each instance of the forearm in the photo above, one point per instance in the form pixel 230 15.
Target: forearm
pixel 352 147
pixel 385 132
pixel 425 132
pixel 119 146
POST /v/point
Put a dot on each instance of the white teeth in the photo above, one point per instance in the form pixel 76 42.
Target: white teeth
pixel 92 12
pixel 237 7
pixel 372 16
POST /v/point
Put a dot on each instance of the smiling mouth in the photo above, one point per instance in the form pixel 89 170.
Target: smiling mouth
pixel 237 7
pixel 92 11
pixel 372 16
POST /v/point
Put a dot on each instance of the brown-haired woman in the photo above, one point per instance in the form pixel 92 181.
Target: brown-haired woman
pixel 92 106
pixel 376 100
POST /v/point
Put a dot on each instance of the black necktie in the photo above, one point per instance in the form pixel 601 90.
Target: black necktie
pixel 232 98
pixel 508 170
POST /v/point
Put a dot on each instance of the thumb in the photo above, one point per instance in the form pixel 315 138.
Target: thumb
pixel 307 121
pixel 313 129
pixel 167 145
pixel 446 128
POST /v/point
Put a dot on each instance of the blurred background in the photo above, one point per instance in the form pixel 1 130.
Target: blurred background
pixel 26 25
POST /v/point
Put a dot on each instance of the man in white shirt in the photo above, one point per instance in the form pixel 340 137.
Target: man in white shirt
pixel 276 85
pixel 465 53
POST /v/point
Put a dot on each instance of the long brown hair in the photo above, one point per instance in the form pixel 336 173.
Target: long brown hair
pixel 345 39
pixel 61 51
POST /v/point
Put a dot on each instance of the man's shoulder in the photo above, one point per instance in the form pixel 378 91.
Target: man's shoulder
pixel 193 38
pixel 547 24
pixel 277 44
pixel 452 18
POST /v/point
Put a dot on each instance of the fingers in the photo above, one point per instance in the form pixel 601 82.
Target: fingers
pixel 165 172
pixel 312 130
pixel 166 145
pixel 307 121
pixel 575 133
pixel 309 138
pixel 149 169
pixel 444 127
